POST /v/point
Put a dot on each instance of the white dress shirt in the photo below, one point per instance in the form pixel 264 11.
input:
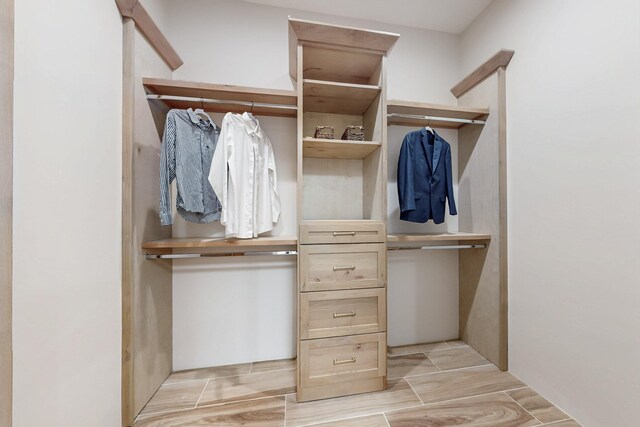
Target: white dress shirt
pixel 243 176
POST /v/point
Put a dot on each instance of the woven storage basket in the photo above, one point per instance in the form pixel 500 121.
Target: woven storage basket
pixel 353 133
pixel 324 132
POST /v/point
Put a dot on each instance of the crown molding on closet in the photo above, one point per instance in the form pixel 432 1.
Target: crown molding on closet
pixel 500 59
pixel 134 10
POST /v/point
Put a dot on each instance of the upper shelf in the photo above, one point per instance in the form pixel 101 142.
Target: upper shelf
pixel 438 237
pixel 431 110
pixel 338 98
pixel 219 244
pixel 224 98
pixel 339 65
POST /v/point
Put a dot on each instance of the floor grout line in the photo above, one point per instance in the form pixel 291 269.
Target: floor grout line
pixel 385 418
pixel 475 395
pixel 434 363
pixel 355 417
pixel 559 421
pixel 525 409
pixel 251 367
pixel 414 391
pixel 285 412
pixel 202 393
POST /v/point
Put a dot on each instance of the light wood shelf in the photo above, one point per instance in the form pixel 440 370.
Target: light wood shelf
pixel 337 148
pixel 437 237
pixel 435 110
pixel 219 244
pixel 322 96
pixel 349 66
pixel 196 90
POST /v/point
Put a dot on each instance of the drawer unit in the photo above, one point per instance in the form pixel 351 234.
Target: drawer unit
pixel 339 313
pixel 329 232
pixel 333 267
pixel 340 360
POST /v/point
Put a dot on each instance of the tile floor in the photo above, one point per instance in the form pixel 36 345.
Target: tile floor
pixel 439 384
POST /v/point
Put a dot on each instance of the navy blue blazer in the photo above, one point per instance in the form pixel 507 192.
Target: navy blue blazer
pixel 424 177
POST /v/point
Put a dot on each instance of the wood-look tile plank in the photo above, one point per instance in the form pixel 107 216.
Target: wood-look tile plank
pixel 274 365
pixel 255 413
pixel 417 348
pixel 457 343
pixel 398 395
pixel 377 420
pixel 488 410
pixel 172 397
pixel 441 386
pixel 410 364
pixel 537 405
pixel 250 386
pixel 207 373
pixel 565 423
pixel 456 358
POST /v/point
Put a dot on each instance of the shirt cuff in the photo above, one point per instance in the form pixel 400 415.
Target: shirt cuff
pixel 165 219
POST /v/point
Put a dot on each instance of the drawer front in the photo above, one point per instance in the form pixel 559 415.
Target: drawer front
pixel 339 313
pixel 336 360
pixel 333 267
pixel 328 232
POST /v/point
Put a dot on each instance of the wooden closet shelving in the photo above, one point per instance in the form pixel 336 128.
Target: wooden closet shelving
pixel 338 98
pixel 219 244
pixel 337 148
pixel 438 237
pixel 434 110
pixel 207 91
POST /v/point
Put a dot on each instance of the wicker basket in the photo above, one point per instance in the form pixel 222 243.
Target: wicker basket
pixel 324 132
pixel 353 133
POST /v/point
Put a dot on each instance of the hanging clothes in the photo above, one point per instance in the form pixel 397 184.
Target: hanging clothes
pixel 425 177
pixel 187 149
pixel 243 174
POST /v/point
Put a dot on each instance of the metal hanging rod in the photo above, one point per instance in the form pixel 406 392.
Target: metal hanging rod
pixel 436 247
pixel 439 119
pixel 226 254
pixel 220 101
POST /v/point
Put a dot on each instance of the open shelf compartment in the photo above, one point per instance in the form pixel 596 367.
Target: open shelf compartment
pixel 337 149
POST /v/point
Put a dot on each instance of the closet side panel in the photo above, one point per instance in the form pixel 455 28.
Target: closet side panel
pixel 482 282
pixel 6 207
pixel 152 281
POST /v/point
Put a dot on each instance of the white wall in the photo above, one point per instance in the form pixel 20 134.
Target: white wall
pixel 573 103
pixel 234 42
pixel 67 207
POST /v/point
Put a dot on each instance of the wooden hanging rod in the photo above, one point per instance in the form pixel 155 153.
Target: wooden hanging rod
pixel 500 59
pixel 132 9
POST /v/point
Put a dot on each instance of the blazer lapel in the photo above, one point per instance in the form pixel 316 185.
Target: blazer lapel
pixel 424 142
pixel 437 149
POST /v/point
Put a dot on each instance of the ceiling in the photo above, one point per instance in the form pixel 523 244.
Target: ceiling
pixel 452 16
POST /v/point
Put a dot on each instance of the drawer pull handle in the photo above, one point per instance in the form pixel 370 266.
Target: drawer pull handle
pixel 336 315
pixel 340 362
pixel 344 267
pixel 344 233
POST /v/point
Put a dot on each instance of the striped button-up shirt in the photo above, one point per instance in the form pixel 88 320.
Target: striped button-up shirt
pixel 188 145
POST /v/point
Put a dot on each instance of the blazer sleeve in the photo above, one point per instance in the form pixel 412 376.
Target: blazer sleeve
pixel 406 191
pixel 452 202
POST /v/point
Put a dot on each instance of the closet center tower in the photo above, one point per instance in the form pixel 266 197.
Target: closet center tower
pixel 341 207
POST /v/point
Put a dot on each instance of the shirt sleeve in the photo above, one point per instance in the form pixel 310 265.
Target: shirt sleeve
pixel 218 174
pixel 273 184
pixel 167 168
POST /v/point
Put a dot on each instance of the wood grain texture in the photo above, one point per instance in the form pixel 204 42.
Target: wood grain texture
pixel 250 386
pixel 254 413
pixel 537 405
pixel 397 395
pixel 208 373
pixel 224 245
pixel 481 276
pixel 337 97
pixel 409 365
pixel 433 110
pixel 417 348
pixel 330 63
pixel 449 385
pixel 439 237
pixel 273 365
pixel 309 31
pixel 337 149
pixel 455 358
pixel 172 397
pixel 335 232
pixel 6 209
pixel 150 297
pixel 565 423
pixel 503 240
pixel 490 410
pixel 500 59
pixel 377 420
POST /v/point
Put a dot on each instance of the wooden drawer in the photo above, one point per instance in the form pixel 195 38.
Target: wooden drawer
pixel 333 267
pixel 327 232
pixel 338 313
pixel 336 360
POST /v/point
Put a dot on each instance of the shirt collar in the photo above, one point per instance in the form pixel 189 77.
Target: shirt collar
pixel 197 121
pixel 251 124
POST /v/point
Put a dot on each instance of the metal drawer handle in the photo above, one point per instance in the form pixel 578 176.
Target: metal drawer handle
pixel 336 315
pixel 340 362
pixel 344 233
pixel 344 267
